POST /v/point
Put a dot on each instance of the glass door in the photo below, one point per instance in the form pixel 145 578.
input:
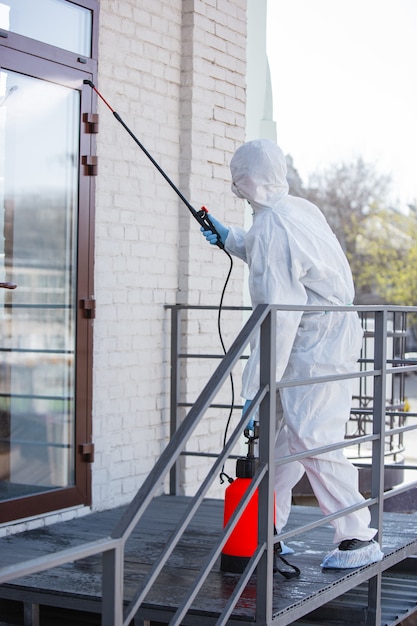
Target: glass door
pixel 39 158
pixel 46 249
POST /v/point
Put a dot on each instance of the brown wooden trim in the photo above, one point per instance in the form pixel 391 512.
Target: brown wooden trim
pixel 39 504
pixel 33 58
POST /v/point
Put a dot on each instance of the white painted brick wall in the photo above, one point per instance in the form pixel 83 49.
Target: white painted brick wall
pixel 216 127
pixel 136 271
pixel 189 112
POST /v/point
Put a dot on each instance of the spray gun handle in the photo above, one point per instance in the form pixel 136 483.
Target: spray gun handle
pixel 205 221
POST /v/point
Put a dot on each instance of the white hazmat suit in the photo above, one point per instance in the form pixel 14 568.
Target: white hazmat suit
pixel 294 258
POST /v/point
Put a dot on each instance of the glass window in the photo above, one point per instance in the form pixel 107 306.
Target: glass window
pixel 39 156
pixel 55 22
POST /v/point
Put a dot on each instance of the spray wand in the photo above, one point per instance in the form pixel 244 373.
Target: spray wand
pixel 204 221
pixel 202 215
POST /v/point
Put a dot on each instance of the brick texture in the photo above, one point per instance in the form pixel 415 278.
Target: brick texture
pixel 175 72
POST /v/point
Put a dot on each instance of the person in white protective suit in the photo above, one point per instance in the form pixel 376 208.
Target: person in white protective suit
pixel 294 258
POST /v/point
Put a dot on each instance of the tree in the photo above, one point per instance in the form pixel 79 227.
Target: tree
pixel 382 266
pixel 380 243
pixel 348 194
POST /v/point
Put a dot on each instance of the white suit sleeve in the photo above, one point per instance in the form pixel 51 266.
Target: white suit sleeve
pixel 235 242
pixel 274 278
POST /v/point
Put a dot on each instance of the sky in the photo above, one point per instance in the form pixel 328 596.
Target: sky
pixel 344 81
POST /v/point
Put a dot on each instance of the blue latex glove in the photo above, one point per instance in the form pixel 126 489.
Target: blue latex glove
pixel 212 237
pixel 250 427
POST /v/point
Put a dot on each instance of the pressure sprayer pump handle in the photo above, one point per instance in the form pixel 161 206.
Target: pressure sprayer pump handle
pixel 207 223
pixel 200 216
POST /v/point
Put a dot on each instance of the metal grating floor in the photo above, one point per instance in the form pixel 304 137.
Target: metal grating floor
pixel 78 585
pixel 398 600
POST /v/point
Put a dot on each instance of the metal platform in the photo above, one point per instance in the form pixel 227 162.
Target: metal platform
pixel 398 600
pixel 315 597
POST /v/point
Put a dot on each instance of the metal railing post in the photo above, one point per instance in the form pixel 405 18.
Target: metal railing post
pixel 378 445
pixel 112 587
pixel 264 586
pixel 378 423
pixel 175 382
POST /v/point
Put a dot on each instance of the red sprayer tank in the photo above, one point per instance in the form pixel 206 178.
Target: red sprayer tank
pixel 243 541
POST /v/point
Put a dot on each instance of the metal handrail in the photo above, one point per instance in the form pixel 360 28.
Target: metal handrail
pixel 263 320
pixel 379 373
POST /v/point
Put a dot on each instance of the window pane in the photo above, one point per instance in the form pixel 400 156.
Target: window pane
pixel 39 156
pixel 56 22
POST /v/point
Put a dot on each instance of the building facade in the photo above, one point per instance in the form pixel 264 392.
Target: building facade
pixel 99 244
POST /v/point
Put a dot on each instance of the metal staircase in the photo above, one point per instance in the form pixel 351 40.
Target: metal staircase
pixel 370 583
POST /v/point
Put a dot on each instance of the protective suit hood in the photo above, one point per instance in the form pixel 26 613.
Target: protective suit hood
pixel 259 170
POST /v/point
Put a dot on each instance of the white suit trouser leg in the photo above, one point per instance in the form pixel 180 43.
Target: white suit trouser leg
pixel 286 476
pixel 315 415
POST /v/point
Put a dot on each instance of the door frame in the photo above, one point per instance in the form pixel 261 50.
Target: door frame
pixel 44 62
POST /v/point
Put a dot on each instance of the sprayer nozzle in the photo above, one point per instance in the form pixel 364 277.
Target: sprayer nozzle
pixel 88 82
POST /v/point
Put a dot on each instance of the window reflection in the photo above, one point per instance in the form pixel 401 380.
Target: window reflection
pixel 55 22
pixel 39 158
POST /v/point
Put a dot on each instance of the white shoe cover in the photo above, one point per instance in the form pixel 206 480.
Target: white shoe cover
pixel 286 549
pixel 345 559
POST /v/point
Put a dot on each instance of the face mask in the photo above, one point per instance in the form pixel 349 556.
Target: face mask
pixel 236 191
